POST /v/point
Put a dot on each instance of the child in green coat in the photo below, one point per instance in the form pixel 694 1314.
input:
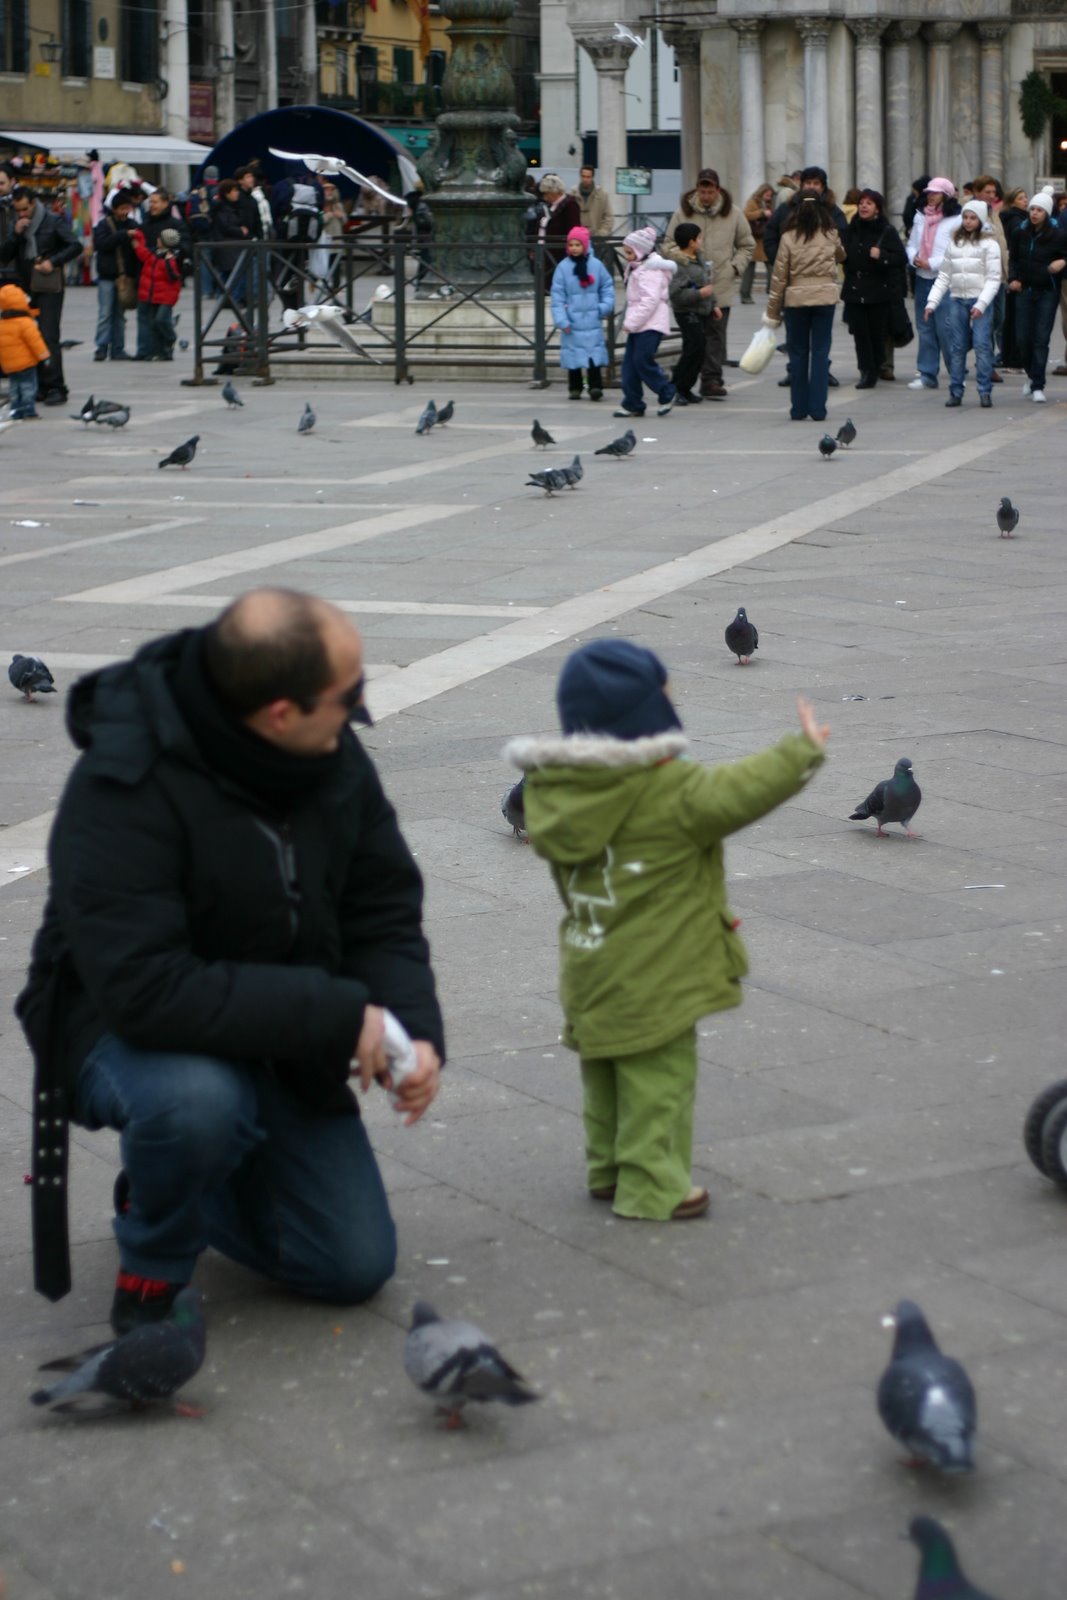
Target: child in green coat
pixel 633 835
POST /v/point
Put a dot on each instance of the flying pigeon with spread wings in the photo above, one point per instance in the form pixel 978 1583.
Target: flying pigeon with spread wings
pixel 331 166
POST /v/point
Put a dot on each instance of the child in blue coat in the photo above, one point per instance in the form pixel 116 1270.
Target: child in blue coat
pixel 582 296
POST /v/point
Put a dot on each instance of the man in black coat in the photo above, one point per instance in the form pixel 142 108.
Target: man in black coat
pixel 233 915
pixel 38 246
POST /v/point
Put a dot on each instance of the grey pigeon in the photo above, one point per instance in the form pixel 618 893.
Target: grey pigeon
pixel 308 420
pixel 926 1399
pixel 150 1363
pixel 574 473
pixel 455 1362
pixel 550 479
pixel 230 395
pixel 182 456
pixel 428 418
pixel 1007 518
pixel 940 1575
pixel 183 344
pixel 541 436
pixel 620 447
pixel 114 419
pixel 446 413
pixel 846 432
pixel 895 799
pixel 742 637
pixel 513 808
pixel 30 676
pixel 827 446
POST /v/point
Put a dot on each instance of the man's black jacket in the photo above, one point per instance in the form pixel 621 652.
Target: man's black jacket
pixel 55 243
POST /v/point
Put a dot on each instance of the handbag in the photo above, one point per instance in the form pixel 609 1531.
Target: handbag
pixel 901 331
pixel 46 282
pixel 126 290
pixel 760 350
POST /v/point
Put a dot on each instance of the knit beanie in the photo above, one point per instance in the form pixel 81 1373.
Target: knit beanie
pixel 1045 199
pixel 578 232
pixel 980 209
pixel 170 238
pixel 614 687
pixel 642 242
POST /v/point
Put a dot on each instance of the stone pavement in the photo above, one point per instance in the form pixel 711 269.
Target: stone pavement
pixel 708 1425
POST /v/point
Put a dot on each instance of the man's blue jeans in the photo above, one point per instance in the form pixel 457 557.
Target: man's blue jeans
pixel 219 1154
pixel 933 335
pixel 962 333
pixel 639 366
pixel 808 331
pixel 110 318
pixel 1035 315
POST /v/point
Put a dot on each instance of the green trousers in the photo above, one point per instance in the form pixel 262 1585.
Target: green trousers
pixel 638 1114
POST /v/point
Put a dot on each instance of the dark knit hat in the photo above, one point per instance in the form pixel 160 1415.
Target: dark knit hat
pixel 615 687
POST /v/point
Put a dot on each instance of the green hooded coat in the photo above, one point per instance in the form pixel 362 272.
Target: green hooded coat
pixel 634 839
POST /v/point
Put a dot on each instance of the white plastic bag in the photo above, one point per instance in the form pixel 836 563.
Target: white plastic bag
pixel 760 350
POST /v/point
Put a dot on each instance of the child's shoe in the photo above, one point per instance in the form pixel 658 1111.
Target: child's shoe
pixel 596 394
pixel 605 1192
pixel 695 1204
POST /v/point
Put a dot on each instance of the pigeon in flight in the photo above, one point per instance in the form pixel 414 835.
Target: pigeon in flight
pixel 182 456
pixel 150 1363
pixel 742 637
pixel 623 33
pixel 230 395
pixel 940 1575
pixel 331 166
pixel 551 479
pixel 926 1399
pixel 1007 518
pixel 454 1362
pixel 846 432
pixel 620 447
pixel 574 473
pixel 308 420
pixel 114 419
pixel 30 676
pixel 895 799
pixel 331 319
pixel 541 436
pixel 428 418
pixel 827 446
pixel 513 809
pixel 446 414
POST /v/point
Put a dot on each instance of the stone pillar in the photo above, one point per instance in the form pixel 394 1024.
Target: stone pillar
pixel 685 42
pixel 750 74
pixel 309 54
pixel 898 115
pixel 870 142
pixel 610 57
pixel 939 36
pixel 991 97
pixel 269 89
pixel 175 74
pixel 226 82
pixel 815 31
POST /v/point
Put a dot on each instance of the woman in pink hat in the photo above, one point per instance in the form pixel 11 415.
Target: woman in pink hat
pixel 931 230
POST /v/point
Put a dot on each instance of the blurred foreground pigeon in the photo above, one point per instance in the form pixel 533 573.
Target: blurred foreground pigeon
pixel 551 479
pixel 454 1362
pixel 513 808
pixel 620 447
pixel 926 1399
pixel 895 799
pixel 940 1575
pixel 182 456
pixel 446 413
pixel 30 676
pixel 428 418
pixel 846 432
pixel 308 420
pixel 150 1363
pixel 827 446
pixel 113 419
pixel 230 395
pixel 742 637
pixel 1007 518
pixel 541 436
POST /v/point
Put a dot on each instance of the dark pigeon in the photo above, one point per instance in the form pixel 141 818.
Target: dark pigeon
pixel 827 446
pixel 742 637
pixel 455 1362
pixel 183 344
pixel 446 414
pixel 620 447
pixel 513 809
pixel 182 456
pixel 551 479
pixel 940 1575
pixel 308 420
pixel 1007 518
pixel 926 1399
pixel 86 412
pixel 148 1364
pixel 428 418
pixel 895 799
pixel 846 432
pixel 230 395
pixel 114 419
pixel 541 436
pixel 30 676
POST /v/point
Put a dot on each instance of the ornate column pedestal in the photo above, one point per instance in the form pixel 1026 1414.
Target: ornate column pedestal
pixel 750 75
pixel 610 57
pixel 991 35
pixel 870 140
pixel 939 36
pixel 685 42
pixel 815 31
pixel 898 114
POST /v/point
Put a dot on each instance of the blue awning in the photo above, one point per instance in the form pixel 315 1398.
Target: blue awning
pixel 316 130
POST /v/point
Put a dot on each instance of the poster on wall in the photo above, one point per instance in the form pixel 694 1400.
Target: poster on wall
pixel 202 112
pixel 103 61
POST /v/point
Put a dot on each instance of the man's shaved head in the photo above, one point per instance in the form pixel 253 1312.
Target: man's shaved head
pixel 274 644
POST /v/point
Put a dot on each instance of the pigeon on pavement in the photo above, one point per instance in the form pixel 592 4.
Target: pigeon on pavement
pixel 230 395
pixel 895 799
pixel 446 413
pixel 30 676
pixel 308 420
pixel 183 344
pixel 551 479
pixel 620 447
pixel 513 809
pixel 940 1575
pixel 926 1399
pixel 150 1363
pixel 455 1362
pixel 86 412
pixel 742 637
pixel 1007 518
pixel 846 432
pixel 574 473
pixel 541 436
pixel 114 419
pixel 827 446
pixel 184 453
pixel 428 418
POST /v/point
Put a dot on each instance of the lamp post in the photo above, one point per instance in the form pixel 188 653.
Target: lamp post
pixel 50 47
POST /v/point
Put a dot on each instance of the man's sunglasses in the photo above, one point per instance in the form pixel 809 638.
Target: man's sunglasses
pixel 351 700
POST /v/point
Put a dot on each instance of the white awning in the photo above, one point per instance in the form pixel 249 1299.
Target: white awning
pixel 159 148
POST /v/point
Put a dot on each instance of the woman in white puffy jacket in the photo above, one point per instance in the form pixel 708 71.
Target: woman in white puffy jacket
pixel 970 274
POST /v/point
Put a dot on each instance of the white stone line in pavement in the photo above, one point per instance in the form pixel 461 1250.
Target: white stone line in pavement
pixel 43 550
pixel 150 585
pixel 389 608
pixel 24 846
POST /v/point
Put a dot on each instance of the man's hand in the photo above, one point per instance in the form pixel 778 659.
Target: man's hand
pixel 370 1047
pixel 43 266
pixel 418 1091
pixel 1015 286
pixel 706 290
pixel 716 313
pixel 1057 266
pixel 22 224
pixel 875 252
pixel 806 712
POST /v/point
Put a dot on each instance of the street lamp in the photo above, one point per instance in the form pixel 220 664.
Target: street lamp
pixel 50 47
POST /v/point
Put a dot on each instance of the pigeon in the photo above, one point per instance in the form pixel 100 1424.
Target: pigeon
pixel 541 436
pixel 620 447
pixel 86 412
pixel 925 1399
pixel 1007 518
pixel 742 637
pixel 183 344
pixel 846 432
pixel 551 479
pixel 114 419
pixel 623 33
pixel 93 410
pixel 895 799
pixel 827 446
pixel 574 473
pixel 513 809
pixel 940 1575
pixel 70 344
pixel 30 676
pixel 331 166
pixel 308 420
pixel 428 418
pixel 230 395
pixel 150 1363
pixel 182 456
pixel 446 414
pixel 456 1362
pixel 331 319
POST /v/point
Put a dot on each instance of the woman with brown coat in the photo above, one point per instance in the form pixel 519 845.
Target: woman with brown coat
pixel 759 209
pixel 804 282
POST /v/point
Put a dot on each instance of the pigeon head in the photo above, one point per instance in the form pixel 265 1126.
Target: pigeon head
pixel 912 1329
pixel 903 765
pixel 188 1307
pixel 1006 505
pixel 938 1551
pixel 423 1312
pixel 742 615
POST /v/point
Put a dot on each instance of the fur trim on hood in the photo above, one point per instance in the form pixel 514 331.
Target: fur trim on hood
pixel 592 750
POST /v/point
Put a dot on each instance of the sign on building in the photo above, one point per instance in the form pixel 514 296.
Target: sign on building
pixel 202 112
pixel 633 180
pixel 103 61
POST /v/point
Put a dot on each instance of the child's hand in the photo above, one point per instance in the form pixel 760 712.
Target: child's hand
pixel 806 712
pixel 716 313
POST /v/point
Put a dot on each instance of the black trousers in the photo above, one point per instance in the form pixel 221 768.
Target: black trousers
pixel 574 378
pixel 693 329
pixel 50 307
pixel 714 349
pixel 869 325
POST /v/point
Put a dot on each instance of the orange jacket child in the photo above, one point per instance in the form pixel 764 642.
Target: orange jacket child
pixel 21 344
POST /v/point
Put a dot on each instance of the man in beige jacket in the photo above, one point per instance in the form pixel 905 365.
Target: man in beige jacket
pixel 594 203
pixel 728 244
